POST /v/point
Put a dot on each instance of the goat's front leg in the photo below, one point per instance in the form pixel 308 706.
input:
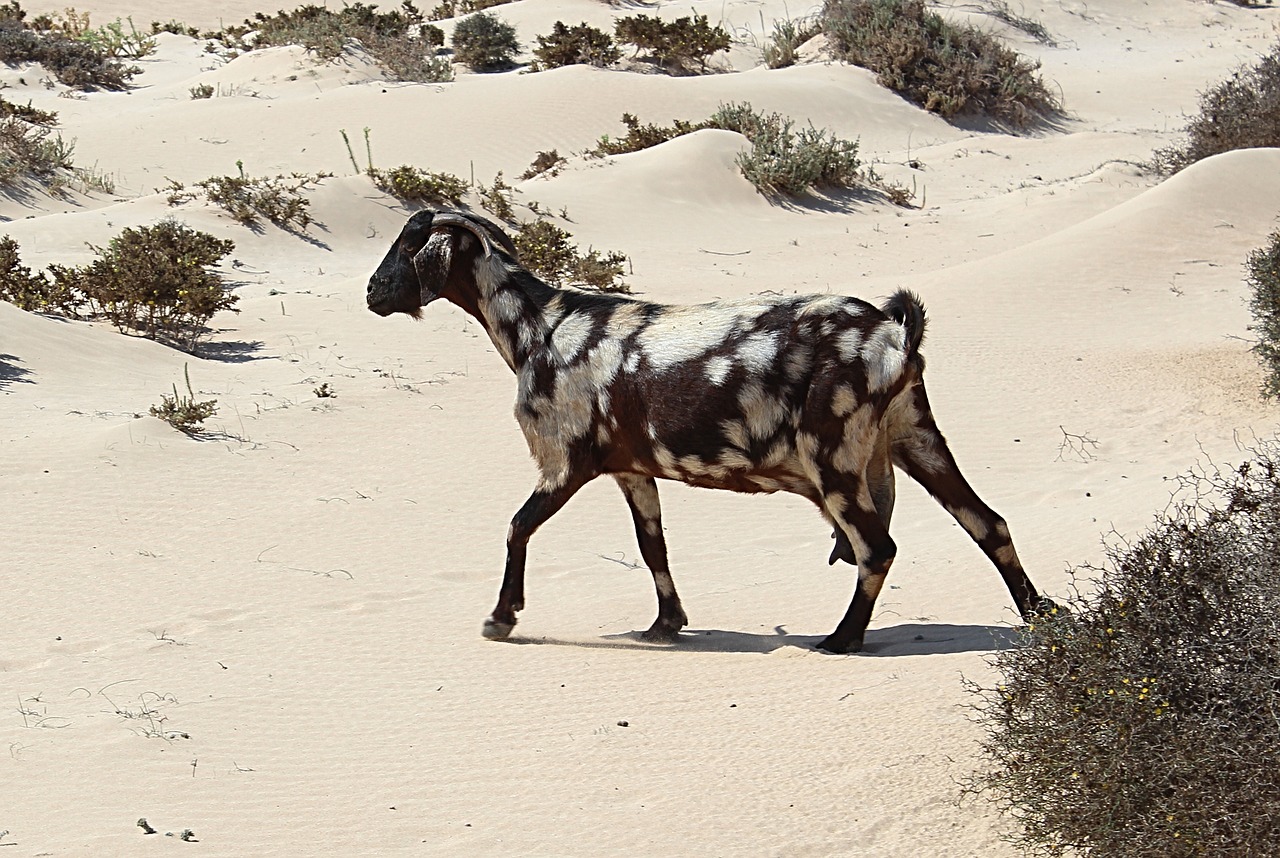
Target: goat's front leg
pixel 541 505
pixel 642 496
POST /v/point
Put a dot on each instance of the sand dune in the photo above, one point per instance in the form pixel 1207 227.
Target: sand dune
pixel 269 634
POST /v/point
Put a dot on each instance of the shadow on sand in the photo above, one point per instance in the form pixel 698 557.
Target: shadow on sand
pixel 900 640
pixel 11 373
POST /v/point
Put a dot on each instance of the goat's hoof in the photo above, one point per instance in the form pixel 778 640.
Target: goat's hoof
pixel 838 647
pixel 496 631
pixel 660 633
pixel 1043 610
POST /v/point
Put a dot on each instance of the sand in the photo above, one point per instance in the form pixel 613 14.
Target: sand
pixel 270 634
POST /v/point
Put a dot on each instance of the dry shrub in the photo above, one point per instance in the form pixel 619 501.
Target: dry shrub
pixel 1241 112
pixel 549 252
pixel 412 185
pixel 247 199
pixel 1144 723
pixel 1263 268
pixel 782 45
pixel 184 413
pixel 948 69
pixel 74 62
pixel 544 164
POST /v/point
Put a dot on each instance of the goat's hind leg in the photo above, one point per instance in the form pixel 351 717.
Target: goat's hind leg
pixel 924 455
pixel 863 526
pixel 646 512
pixel 541 505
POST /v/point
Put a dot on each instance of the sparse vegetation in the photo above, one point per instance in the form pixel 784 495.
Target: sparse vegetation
pixel 782 44
pixel 485 42
pixel 544 164
pixel 579 45
pixel 201 90
pixel 1263 268
pixel 400 40
pixel 946 68
pixel 185 414
pixel 1143 723
pixel 1241 112
pixel 682 45
pixel 67 51
pixel 246 199
pixel 413 185
pixel 153 281
pixel 497 199
pixel 548 251
pixel 114 41
pixel 782 160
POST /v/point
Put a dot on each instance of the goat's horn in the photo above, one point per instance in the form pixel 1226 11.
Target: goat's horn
pixel 451 219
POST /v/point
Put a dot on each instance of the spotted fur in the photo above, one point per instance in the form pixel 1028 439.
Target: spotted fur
pixel 816 395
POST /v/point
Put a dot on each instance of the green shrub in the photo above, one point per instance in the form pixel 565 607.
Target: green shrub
pixel 947 69
pixel 643 136
pixel 418 186
pixel 485 42
pixel 548 251
pixel 580 45
pixel 674 45
pixel 114 41
pixel 1143 724
pixel 1264 277
pixel 497 199
pixel 175 27
pixel 184 413
pixel 30 151
pixel 279 200
pixel 1242 112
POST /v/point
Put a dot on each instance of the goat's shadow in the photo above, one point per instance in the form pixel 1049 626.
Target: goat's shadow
pixel 906 639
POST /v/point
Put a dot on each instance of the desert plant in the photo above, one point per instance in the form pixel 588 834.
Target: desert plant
pixel 1241 112
pixel 783 42
pixel 548 251
pixel 1143 724
pixel 175 27
pixel 155 281
pixel 114 41
pixel 184 413
pixel 579 45
pixel 202 90
pixel 544 164
pixel 413 185
pixel 497 198
pixel 1263 268
pixel 74 62
pixel 948 69
pixel 675 45
pixel 35 292
pixel 247 199
pixel 640 136
pixel 484 42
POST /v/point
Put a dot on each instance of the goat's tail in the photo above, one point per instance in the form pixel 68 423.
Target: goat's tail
pixel 905 308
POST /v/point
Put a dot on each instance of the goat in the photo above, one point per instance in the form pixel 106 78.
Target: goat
pixel 819 395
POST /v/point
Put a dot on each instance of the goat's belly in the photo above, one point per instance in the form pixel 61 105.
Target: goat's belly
pixel 743 480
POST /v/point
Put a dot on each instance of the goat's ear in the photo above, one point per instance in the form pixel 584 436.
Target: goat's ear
pixel 432 264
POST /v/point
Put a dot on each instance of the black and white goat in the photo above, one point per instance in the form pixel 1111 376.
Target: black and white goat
pixel 820 395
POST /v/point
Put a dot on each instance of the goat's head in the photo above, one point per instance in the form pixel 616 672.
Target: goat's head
pixel 432 252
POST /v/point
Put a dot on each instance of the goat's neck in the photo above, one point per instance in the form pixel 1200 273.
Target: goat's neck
pixel 514 307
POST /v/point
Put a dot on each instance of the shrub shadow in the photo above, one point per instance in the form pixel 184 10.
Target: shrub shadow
pixel 232 351
pixel 11 373
pixel 906 639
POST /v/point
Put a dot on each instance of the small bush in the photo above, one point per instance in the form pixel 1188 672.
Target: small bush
pixel 1264 277
pixel 548 251
pixel 37 293
pixel 155 281
pixel 418 186
pixel 1242 112
pixel 497 198
pixel 201 90
pixel 1143 724
pixel 580 45
pixel 29 151
pixel 175 27
pixel 74 62
pixel 114 41
pixel 643 136
pixel 184 413
pixel 783 43
pixel 485 42
pixel 945 68
pixel 544 164
pixel 279 200
pixel 675 45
